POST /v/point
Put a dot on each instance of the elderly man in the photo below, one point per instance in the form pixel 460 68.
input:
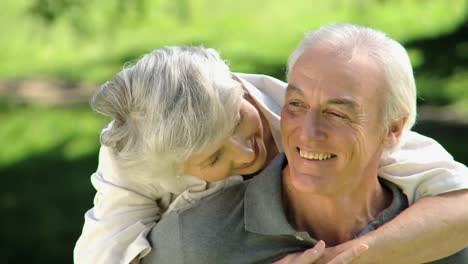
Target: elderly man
pixel 350 95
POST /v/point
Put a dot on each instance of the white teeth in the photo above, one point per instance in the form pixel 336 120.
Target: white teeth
pixel 314 156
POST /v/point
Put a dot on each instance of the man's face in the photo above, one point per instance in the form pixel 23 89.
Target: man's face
pixel 331 129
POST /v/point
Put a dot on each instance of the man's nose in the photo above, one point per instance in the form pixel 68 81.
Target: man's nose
pixel 312 127
pixel 243 149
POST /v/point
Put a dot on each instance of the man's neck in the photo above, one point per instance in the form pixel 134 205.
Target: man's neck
pixel 335 218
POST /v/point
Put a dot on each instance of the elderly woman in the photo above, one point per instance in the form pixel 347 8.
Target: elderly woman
pixel 182 123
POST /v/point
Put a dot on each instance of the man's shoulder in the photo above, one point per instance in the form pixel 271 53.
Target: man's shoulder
pixel 208 209
pixel 199 230
pixel 220 202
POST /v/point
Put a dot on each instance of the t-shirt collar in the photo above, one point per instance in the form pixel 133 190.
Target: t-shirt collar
pixel 264 212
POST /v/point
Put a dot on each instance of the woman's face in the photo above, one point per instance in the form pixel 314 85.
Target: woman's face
pixel 240 153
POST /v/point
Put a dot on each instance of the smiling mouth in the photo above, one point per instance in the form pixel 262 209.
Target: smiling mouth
pixel 315 155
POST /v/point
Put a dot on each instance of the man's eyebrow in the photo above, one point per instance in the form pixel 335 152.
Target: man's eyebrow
pixel 348 103
pixel 293 89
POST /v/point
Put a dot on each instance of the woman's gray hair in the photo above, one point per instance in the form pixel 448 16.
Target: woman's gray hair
pixel 175 101
pixel 400 97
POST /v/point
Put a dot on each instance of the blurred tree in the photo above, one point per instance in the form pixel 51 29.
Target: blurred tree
pixel 445 53
pixel 74 11
pixel 50 10
pixel 442 75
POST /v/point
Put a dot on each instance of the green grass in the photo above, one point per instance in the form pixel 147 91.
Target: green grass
pixel 34 130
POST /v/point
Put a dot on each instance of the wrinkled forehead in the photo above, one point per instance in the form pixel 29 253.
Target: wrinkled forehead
pixel 323 67
pixel 328 78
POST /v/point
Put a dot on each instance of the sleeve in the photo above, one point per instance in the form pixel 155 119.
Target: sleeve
pixel 115 229
pixel 422 167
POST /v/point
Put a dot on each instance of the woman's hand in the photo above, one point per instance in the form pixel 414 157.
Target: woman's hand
pixel 308 256
pixel 314 255
pixel 346 253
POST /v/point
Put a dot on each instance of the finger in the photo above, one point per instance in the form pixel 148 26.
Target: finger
pixel 350 255
pixel 313 254
pixel 308 256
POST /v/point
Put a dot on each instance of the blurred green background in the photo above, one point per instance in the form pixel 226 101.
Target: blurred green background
pixel 53 54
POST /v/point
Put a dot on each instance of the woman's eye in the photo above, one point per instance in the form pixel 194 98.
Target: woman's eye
pixel 214 161
pixel 239 121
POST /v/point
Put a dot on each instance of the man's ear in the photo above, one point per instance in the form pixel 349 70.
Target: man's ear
pixel 394 133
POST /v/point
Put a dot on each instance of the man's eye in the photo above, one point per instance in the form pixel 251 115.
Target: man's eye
pixel 337 114
pixel 295 105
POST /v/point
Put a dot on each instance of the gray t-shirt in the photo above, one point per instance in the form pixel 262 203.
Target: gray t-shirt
pixel 244 224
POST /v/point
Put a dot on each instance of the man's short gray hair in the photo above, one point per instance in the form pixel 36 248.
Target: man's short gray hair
pixel 400 97
pixel 175 101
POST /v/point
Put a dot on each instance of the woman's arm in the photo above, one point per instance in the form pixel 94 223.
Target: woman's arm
pixel 431 229
pixel 421 167
pixel 115 228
